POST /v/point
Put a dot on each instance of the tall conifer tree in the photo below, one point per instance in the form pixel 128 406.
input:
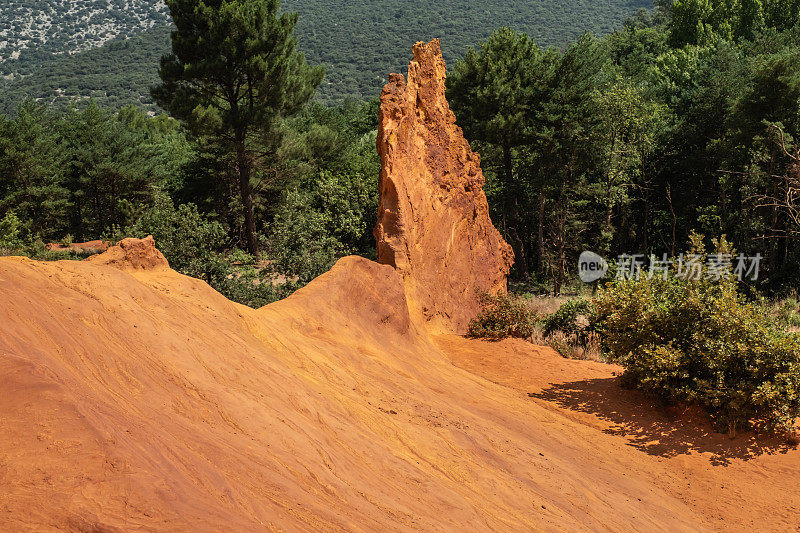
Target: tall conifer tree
pixel 234 73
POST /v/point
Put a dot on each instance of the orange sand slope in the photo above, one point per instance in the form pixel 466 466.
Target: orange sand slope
pixel 140 398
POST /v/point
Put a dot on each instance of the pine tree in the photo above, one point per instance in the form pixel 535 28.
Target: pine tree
pixel 234 73
pixel 31 178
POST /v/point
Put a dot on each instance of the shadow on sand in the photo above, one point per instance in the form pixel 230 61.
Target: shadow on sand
pixel 654 429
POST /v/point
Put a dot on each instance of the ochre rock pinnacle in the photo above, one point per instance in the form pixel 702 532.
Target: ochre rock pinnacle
pixel 433 219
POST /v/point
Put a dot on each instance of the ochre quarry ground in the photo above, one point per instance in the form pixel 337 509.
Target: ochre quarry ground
pixel 140 399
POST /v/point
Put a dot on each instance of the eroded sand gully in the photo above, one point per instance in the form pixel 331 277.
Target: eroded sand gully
pixel 135 398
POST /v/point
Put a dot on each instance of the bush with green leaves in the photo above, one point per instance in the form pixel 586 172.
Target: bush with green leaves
pixel 186 237
pixel 193 246
pixel 567 319
pixel 329 216
pixel 236 277
pixel 11 229
pixel 16 239
pixel 570 331
pixel 698 341
pixel 786 311
pixel 502 315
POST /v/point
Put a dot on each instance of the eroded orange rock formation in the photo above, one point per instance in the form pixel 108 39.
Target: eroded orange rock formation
pixel 132 253
pixel 140 399
pixel 80 247
pixel 433 220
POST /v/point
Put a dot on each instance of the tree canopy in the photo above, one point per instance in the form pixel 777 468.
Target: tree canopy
pixel 234 73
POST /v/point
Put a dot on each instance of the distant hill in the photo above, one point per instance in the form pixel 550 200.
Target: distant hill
pixel 31 30
pixel 358 42
pixel 116 74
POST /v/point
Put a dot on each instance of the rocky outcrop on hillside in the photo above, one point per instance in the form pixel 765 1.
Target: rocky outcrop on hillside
pixel 136 254
pixel 433 220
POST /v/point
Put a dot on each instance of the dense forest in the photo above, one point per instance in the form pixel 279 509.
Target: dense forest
pixel 90 174
pixel 684 120
pixel 359 44
pixel 33 30
pixel 115 75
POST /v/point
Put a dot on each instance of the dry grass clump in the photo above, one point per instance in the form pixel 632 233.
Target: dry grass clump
pixel 545 305
pixel 566 346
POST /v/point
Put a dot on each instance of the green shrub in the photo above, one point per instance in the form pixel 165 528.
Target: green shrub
pixel 329 216
pixel 568 321
pixel 237 278
pixel 193 246
pixel 570 331
pixel 561 345
pixel 502 316
pixel 699 341
pixel 785 311
pixel 11 234
pixel 187 238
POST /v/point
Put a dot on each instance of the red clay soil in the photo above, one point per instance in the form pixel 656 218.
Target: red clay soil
pixel 140 398
pixel 745 484
pixel 80 247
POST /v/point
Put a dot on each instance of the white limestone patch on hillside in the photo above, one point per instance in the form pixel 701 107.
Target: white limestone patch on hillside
pixel 71 26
